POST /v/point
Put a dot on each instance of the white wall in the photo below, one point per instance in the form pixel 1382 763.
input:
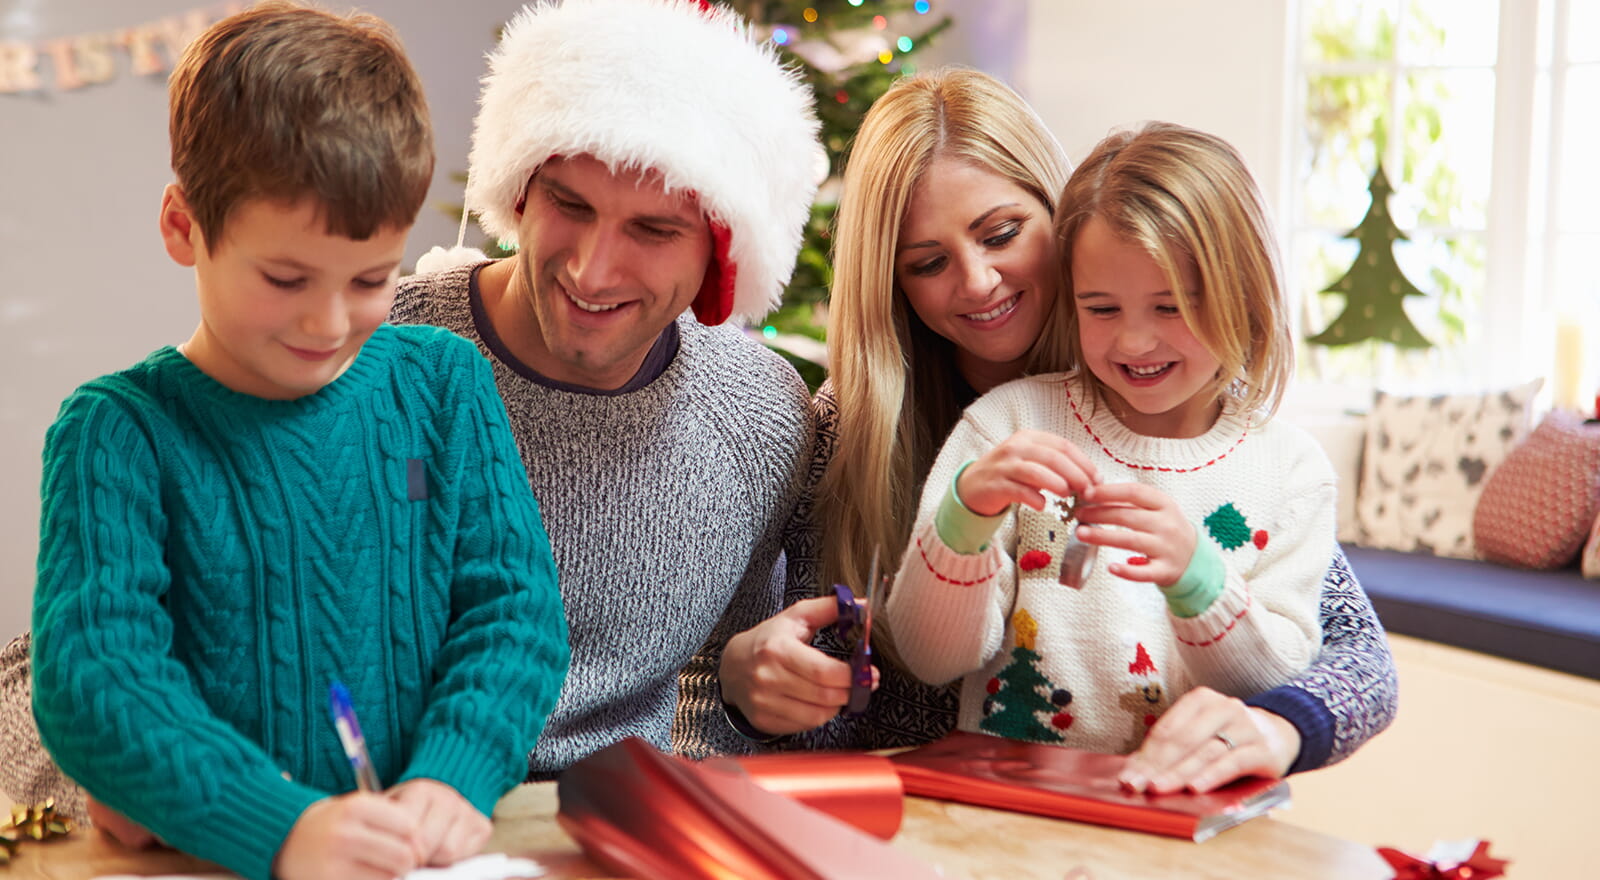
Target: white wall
pixel 86 289
pixel 1220 66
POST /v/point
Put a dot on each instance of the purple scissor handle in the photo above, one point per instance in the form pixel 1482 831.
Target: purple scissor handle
pixel 855 632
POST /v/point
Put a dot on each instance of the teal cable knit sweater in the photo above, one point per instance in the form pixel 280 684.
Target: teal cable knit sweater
pixel 210 561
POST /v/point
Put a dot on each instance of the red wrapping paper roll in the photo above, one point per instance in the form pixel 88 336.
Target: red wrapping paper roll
pixel 863 790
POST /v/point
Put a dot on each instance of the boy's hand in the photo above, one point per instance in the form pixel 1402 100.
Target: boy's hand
pixel 777 679
pixel 1151 526
pixel 449 828
pixel 119 827
pixel 356 836
pixel 1021 469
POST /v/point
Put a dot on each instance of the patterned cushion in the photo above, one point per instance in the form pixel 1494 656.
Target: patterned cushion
pixel 1537 506
pixel 1591 552
pixel 1426 460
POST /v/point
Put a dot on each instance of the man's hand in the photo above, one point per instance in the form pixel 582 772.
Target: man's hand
pixel 774 676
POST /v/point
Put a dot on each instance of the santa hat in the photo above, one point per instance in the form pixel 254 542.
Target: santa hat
pixel 677 86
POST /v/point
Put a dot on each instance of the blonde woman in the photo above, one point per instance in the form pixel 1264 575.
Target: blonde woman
pixel 945 278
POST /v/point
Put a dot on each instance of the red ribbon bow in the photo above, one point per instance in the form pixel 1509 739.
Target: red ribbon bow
pixel 1478 866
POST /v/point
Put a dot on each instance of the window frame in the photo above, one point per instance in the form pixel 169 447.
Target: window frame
pixel 1511 339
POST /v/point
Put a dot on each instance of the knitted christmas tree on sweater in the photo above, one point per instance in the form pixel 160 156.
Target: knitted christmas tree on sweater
pixel 1017 694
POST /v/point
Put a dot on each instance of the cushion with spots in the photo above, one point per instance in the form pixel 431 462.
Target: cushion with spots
pixel 1427 458
pixel 1537 506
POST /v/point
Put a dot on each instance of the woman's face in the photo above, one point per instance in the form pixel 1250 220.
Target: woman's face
pixel 977 261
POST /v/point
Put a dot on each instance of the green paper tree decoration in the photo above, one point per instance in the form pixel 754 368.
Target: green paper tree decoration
pixel 1374 288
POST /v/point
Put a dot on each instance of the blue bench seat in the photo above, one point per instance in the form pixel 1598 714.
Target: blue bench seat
pixel 1547 618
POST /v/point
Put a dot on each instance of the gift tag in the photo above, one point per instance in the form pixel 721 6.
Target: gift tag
pixel 1077 560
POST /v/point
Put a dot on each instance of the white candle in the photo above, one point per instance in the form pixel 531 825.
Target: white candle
pixel 1569 363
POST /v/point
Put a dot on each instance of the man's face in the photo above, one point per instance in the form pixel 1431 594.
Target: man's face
pixel 608 261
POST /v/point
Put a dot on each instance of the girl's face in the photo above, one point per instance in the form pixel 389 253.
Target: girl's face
pixel 1158 378
pixel 976 260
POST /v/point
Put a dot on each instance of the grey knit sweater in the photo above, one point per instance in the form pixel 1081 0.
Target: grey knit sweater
pixel 666 508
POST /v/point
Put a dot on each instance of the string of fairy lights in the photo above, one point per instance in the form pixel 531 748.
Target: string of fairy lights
pixel 785 35
pixel 851 51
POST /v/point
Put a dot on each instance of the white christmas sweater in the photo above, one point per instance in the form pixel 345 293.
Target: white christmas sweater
pixel 1094 667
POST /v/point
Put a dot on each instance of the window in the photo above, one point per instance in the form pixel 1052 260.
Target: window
pixel 1476 109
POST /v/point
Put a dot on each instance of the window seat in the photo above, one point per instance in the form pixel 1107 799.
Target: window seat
pixel 1546 618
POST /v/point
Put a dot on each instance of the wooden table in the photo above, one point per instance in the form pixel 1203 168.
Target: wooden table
pixel 967 842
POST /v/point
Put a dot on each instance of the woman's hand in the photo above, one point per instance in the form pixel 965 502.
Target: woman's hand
pixel 1207 740
pixel 777 680
pixel 1021 469
pixel 1146 522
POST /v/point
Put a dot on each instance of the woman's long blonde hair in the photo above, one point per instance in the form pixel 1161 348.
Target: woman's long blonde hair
pixel 1185 195
pixel 894 379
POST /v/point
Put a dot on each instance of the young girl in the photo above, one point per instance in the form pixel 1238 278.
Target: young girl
pixel 1213 526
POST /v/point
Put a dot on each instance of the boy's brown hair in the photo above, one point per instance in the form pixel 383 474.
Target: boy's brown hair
pixel 283 102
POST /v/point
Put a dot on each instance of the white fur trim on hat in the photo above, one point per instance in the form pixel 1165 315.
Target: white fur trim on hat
pixel 663 85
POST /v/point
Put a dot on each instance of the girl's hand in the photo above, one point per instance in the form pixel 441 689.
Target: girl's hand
pixel 1150 526
pixel 1021 469
pixel 1183 749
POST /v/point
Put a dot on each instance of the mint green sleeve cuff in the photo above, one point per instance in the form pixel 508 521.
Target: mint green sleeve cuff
pixel 960 529
pixel 1202 582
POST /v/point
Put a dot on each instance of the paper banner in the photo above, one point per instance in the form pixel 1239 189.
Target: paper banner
pixel 67 63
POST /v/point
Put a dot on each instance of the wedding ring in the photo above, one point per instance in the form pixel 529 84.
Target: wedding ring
pixel 1225 741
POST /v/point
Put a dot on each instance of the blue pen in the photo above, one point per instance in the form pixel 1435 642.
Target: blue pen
pixel 355 745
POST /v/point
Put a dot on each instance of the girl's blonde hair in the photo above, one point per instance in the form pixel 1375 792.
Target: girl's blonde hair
pixel 1182 194
pixel 894 379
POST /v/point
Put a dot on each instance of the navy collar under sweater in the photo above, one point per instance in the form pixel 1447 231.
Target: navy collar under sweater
pixel 656 360
pixel 666 506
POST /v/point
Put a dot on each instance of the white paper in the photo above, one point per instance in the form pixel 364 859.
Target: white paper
pixel 492 866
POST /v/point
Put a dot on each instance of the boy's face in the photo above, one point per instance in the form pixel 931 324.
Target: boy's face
pixel 285 306
pixel 611 260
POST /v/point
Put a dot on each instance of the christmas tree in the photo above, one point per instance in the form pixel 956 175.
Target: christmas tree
pixel 1017 693
pixel 849 52
pixel 1374 289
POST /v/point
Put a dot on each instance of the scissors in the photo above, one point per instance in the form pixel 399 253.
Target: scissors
pixel 855 631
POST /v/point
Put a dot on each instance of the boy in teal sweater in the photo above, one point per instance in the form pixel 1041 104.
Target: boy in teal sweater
pixel 298 494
